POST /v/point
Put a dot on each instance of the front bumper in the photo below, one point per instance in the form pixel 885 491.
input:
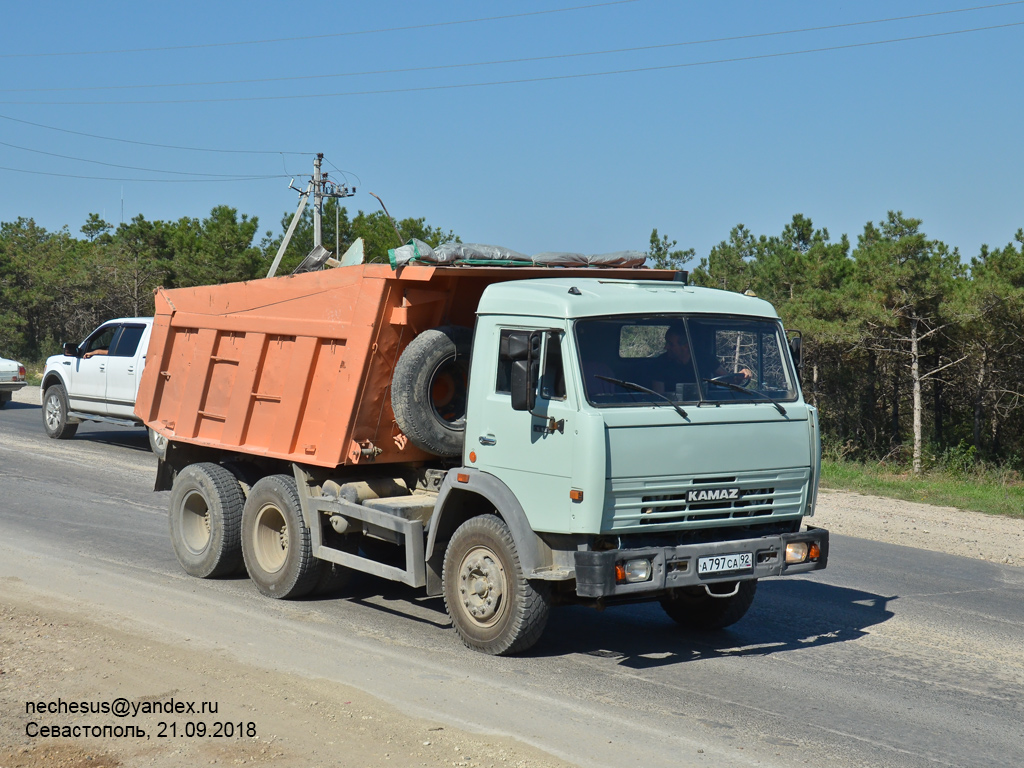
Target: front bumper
pixel 674 567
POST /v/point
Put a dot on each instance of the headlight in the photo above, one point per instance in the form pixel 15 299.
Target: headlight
pixel 796 552
pixel 633 571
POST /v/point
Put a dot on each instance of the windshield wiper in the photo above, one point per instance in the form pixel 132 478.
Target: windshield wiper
pixel 638 388
pixel 762 397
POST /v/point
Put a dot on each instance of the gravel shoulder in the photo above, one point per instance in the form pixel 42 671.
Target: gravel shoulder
pixel 939 529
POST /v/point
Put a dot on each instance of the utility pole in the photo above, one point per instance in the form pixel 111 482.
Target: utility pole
pixel 319 187
pixel 318 201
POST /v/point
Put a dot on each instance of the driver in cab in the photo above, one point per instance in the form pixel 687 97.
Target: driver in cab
pixel 676 365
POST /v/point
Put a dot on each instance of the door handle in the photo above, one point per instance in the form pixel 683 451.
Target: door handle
pixel 488 440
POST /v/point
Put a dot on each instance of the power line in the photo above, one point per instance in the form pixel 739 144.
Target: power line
pixel 549 78
pixel 154 181
pixel 135 168
pixel 151 144
pixel 318 37
pixel 521 60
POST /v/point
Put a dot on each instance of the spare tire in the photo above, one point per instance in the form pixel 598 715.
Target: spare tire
pixel 429 390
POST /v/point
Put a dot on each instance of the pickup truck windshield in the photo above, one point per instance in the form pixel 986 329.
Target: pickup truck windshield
pixel 676 355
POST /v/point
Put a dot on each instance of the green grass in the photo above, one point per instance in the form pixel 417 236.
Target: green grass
pixel 994 492
pixel 34 373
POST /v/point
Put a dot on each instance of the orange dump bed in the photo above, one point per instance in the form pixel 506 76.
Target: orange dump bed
pixel 299 367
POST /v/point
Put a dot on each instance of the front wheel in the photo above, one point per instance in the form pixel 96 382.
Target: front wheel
pixel 694 608
pixel 55 414
pixel 493 606
pixel 276 543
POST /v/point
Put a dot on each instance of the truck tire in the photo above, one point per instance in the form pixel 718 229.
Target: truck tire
pixel 492 605
pixel 429 387
pixel 157 443
pixel 694 608
pixel 276 543
pixel 206 520
pixel 55 414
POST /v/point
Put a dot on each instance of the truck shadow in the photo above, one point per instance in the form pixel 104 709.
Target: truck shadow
pixel 786 616
pixel 121 437
pixel 14 405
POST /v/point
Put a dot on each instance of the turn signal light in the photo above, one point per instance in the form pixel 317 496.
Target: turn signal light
pixel 633 571
pixel 462 477
pixel 576 495
pixel 815 552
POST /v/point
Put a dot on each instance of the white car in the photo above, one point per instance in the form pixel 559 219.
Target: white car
pixel 98 380
pixel 12 378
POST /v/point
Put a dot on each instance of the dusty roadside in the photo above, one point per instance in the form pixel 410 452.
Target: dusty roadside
pixel 939 529
pixel 54 651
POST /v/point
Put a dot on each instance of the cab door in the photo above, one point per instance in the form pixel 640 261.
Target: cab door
pixel 124 367
pixel 532 453
pixel 87 388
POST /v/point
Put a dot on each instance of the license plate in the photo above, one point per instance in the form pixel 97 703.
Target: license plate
pixel 718 563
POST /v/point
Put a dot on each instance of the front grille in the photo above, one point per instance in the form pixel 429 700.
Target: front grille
pixel 754 502
pixel 696 501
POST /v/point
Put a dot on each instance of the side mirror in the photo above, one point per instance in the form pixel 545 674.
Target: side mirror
pixel 524 351
pixel 796 350
pixel 70 349
pixel 525 375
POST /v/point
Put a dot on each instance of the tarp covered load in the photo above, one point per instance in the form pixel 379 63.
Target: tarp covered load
pixel 475 254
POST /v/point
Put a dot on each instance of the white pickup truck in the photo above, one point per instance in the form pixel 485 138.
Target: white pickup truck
pixel 98 380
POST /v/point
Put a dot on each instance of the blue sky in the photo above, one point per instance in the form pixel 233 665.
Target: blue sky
pixel 541 152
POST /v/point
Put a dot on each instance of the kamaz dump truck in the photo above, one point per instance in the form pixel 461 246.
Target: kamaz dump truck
pixel 512 438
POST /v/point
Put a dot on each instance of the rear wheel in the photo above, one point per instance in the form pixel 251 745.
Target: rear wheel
pixel 493 606
pixel 206 515
pixel 55 414
pixel 5 398
pixel 694 608
pixel 276 543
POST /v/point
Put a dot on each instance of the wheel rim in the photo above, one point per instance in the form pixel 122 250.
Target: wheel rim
pixel 195 523
pixel 53 412
pixel 483 585
pixel 159 441
pixel 270 539
pixel 448 387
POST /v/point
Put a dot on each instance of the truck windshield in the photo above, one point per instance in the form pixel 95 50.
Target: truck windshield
pixel 678 356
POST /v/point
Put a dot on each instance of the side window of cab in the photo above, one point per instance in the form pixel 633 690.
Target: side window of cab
pixel 101 341
pixel 128 341
pixel 552 385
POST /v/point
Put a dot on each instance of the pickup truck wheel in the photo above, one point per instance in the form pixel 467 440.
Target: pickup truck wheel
pixel 493 607
pixel 55 414
pixel 157 443
pixel 429 388
pixel 694 608
pixel 5 398
pixel 276 543
pixel 206 516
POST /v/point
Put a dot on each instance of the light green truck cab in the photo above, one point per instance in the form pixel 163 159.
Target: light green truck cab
pixel 623 470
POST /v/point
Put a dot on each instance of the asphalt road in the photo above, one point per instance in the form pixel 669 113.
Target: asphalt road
pixel 891 657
